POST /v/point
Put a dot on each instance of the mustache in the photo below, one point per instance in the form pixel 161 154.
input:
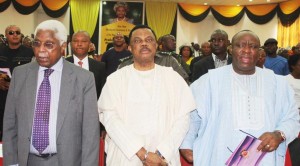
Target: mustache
pixel 145 49
pixel 42 55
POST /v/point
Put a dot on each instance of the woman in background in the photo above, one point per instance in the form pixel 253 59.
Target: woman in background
pixel 186 52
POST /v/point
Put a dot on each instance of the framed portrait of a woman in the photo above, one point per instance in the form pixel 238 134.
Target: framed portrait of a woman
pixel 128 11
pixel 119 17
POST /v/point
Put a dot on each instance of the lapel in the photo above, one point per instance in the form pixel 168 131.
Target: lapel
pixel 67 83
pixel 70 59
pixel 31 88
pixel 91 65
pixel 210 62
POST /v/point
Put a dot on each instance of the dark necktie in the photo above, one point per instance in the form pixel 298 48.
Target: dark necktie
pixel 41 115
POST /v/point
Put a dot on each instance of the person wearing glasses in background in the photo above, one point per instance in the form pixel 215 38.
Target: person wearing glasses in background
pixel 51 116
pixel 11 55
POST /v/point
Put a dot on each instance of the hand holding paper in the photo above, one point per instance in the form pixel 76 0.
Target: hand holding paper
pixel 270 141
pixel 246 154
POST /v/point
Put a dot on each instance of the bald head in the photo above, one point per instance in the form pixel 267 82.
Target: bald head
pixel 81 32
pixel 242 33
pixel 80 44
pixel 206 49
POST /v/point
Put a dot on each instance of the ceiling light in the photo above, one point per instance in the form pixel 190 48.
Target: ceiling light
pixel 205 3
pixel 237 5
pixel 250 0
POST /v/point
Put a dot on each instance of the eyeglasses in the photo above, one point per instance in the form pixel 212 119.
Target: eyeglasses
pixel 47 44
pixel 14 32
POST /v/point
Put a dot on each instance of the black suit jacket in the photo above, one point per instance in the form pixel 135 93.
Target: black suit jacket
pixel 203 65
pixel 98 68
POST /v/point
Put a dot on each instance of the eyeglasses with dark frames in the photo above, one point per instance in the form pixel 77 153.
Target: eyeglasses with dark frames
pixel 14 32
pixel 48 45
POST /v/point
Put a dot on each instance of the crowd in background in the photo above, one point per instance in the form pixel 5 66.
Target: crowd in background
pixel 192 61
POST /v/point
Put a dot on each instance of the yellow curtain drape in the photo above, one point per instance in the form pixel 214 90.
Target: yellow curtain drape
pixel 289 7
pixel 55 4
pixel 160 16
pixel 84 14
pixel 27 3
pixel 228 11
pixel 261 10
pixel 288 36
pixel 193 9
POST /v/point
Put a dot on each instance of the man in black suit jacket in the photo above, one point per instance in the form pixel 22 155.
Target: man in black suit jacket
pixel 219 43
pixel 80 46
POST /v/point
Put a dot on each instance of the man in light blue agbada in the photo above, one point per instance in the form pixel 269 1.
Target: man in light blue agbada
pixel 239 100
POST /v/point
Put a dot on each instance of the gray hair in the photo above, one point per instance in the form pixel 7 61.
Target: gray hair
pixel 57 27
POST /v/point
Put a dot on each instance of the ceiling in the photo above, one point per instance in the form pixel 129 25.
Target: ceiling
pixel 223 2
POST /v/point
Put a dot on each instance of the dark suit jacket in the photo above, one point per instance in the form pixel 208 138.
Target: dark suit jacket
pixel 77 128
pixel 98 68
pixel 203 65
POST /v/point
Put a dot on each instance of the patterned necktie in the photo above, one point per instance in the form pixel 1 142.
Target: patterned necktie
pixel 80 63
pixel 42 112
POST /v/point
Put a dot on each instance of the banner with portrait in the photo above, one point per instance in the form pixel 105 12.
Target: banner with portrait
pixel 118 16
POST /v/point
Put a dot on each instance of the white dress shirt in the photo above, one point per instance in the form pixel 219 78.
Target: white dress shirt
pixel 85 62
pixel 55 81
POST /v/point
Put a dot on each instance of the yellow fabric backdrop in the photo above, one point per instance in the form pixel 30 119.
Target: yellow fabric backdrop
pixel 288 36
pixel 160 16
pixel 84 14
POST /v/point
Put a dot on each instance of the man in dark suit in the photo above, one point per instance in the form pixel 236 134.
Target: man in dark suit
pixel 219 43
pixel 80 45
pixel 53 98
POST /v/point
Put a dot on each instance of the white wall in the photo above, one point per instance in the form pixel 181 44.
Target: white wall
pixel 27 23
pixel 188 32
